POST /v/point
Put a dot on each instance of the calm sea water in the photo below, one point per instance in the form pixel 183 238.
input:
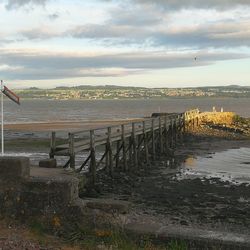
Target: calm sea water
pixel 231 165
pixel 55 110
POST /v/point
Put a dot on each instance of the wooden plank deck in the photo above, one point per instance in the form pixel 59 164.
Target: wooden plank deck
pixel 126 142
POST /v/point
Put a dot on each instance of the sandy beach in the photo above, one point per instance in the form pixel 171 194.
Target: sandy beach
pixel 65 125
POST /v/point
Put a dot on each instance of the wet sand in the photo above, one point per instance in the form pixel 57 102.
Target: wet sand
pixel 65 125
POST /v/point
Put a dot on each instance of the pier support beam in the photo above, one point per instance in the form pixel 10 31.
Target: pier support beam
pixel 134 144
pixel 52 145
pixel 71 151
pixel 92 157
pixel 124 152
pixel 153 138
pixel 110 154
pixel 160 136
pixel 145 138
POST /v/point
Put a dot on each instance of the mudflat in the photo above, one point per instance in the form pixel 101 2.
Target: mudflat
pixel 207 202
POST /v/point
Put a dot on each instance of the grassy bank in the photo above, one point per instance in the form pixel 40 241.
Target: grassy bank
pixel 34 236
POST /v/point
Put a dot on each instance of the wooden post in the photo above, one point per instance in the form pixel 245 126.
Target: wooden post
pixel 134 146
pixel 175 132
pixel 111 169
pixel 92 157
pixel 193 122
pixel 125 165
pixel 52 144
pixel 131 150
pixel 107 156
pixel 183 123
pixel 160 136
pixel 138 146
pixel 145 137
pixel 186 122
pixel 71 150
pixel 171 133
pixel 153 138
pixel 166 135
pixel 180 128
pixel 117 154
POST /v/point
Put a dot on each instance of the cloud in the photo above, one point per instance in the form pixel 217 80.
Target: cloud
pixel 28 65
pixel 53 16
pixel 217 35
pixel 228 34
pixel 146 26
pixel 135 15
pixel 41 33
pixel 200 4
pixel 15 4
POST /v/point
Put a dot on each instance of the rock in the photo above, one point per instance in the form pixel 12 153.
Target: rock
pixel 184 223
pixel 108 205
pixel 48 163
pixel 14 167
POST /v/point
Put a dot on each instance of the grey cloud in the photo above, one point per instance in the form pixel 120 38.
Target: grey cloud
pixel 53 16
pixel 14 4
pixel 227 34
pixel 33 66
pixel 39 33
pixel 135 15
pixel 217 35
pixel 202 4
pixel 105 31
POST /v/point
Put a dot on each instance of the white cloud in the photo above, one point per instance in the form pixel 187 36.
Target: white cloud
pixel 173 4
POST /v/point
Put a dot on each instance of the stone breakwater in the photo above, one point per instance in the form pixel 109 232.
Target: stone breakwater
pixel 223 124
pixel 227 118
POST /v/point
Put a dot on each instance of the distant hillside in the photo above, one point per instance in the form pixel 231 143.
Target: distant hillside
pixel 125 92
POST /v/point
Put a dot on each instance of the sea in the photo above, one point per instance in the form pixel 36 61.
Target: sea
pixel 83 110
pixel 233 165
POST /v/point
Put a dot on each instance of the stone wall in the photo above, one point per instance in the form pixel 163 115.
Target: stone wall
pixel 226 118
pixel 51 200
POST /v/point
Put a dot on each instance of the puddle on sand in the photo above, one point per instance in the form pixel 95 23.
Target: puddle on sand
pixel 231 165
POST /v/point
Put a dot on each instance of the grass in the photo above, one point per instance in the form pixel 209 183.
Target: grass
pixel 113 239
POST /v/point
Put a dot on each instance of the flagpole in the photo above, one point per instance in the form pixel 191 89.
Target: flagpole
pixel 2 117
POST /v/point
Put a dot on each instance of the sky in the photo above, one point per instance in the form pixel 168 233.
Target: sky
pixel 149 43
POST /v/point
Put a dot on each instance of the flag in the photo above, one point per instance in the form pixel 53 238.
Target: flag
pixel 11 95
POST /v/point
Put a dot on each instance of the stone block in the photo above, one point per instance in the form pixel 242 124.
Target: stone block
pixel 48 163
pixel 12 168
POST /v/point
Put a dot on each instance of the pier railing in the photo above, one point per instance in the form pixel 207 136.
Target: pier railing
pixel 126 145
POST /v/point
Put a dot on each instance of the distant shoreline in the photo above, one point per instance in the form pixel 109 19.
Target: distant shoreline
pixel 145 98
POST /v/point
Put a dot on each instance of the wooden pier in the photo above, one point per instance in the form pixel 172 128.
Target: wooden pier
pixel 125 146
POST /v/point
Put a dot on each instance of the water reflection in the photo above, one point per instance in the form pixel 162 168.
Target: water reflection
pixel 232 165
